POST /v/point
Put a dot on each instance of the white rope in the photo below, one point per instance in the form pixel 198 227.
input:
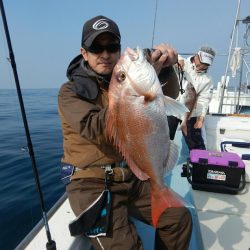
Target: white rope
pixel 100 243
pixel 235 61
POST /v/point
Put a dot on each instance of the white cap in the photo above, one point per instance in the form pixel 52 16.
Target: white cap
pixel 205 57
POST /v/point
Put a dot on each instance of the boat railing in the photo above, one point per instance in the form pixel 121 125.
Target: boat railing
pixel 24 243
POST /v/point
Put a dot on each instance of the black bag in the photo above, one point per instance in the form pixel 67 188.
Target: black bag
pixel 94 220
pixel 213 171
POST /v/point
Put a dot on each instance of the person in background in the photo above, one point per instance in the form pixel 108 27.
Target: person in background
pixel 198 86
pixel 82 105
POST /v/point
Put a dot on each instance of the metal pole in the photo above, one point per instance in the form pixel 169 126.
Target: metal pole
pixel 240 83
pixel 51 245
pixel 223 84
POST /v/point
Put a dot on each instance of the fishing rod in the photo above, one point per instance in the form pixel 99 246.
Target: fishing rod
pixel 155 15
pixel 50 245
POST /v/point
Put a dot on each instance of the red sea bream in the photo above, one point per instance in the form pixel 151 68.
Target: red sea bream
pixel 136 121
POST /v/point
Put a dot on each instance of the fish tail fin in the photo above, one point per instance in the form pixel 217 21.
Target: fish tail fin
pixel 162 199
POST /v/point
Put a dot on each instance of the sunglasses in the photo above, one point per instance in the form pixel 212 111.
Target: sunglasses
pixel 110 48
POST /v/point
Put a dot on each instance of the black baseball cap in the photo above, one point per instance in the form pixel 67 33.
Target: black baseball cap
pixel 96 26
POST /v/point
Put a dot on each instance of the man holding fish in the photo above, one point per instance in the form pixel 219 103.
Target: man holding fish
pixel 117 149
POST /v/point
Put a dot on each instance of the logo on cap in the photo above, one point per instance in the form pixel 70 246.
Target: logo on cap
pixel 100 24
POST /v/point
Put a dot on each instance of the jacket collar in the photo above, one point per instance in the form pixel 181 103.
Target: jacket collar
pixel 87 83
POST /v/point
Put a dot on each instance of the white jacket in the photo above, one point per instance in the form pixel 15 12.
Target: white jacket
pixel 203 85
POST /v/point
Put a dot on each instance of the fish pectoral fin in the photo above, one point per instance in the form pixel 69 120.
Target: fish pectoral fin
pixel 136 170
pixel 162 199
pixel 172 157
pixel 173 107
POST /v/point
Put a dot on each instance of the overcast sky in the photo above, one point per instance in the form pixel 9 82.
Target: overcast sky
pixel 46 34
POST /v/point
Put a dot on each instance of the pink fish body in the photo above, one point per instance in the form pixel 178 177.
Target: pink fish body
pixel 189 99
pixel 136 122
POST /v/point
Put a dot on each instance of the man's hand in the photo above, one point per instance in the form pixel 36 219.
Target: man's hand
pixel 183 128
pixel 182 64
pixel 163 56
pixel 199 122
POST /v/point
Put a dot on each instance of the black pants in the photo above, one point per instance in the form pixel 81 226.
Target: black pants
pixel 173 124
pixel 193 139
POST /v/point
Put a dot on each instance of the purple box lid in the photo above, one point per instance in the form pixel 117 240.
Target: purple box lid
pixel 215 157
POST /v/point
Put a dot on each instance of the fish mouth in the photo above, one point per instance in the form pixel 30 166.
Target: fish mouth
pixel 133 54
pixel 129 57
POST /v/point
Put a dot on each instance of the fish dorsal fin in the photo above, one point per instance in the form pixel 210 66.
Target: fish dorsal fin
pixel 174 107
pixel 172 157
pixel 112 133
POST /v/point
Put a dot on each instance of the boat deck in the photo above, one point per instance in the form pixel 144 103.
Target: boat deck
pixel 221 221
pixel 60 218
pixel 58 225
pixel 224 218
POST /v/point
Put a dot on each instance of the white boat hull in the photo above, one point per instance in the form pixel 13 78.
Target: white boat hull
pixel 220 128
pixel 230 101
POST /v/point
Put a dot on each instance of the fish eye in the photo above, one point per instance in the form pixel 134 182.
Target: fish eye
pixel 121 76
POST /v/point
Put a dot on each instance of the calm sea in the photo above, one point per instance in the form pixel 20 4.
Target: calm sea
pixel 19 204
